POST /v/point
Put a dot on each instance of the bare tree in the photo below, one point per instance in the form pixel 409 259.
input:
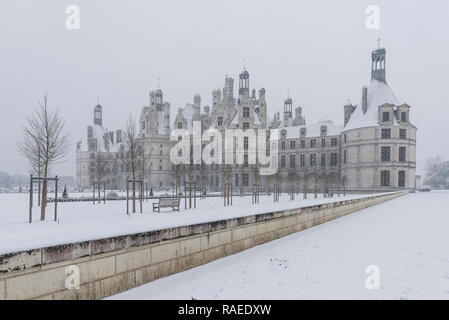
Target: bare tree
pixel 100 170
pixel 132 150
pixel 47 144
pixel 29 147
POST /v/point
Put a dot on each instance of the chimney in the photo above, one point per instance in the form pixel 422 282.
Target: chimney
pixel 364 99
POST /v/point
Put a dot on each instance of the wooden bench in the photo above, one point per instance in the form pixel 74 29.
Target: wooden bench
pixel 166 203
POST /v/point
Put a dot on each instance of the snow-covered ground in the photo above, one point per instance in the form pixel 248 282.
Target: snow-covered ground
pixel 81 221
pixel 406 238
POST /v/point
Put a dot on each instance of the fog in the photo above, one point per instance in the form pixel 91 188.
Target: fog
pixel 318 51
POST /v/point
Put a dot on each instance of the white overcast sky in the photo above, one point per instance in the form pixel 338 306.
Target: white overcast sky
pixel 318 50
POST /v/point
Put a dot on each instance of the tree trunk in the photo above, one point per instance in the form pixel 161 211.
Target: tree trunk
pixel 134 196
pixel 99 191
pixel 44 199
pixel 39 191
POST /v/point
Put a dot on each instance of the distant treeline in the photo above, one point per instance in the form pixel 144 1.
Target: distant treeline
pixel 21 180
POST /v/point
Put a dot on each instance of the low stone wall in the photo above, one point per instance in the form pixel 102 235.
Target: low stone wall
pixel 111 265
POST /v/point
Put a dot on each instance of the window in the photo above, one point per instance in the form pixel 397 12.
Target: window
pixel 292 144
pixel 236 179
pixel 402 154
pixel 220 121
pixel 402 134
pixel 333 142
pixel 179 125
pixel 401 178
pixel 245 179
pixel 282 145
pixel 385 116
pixel 303 144
pixel 313 160
pixel 302 160
pixel 334 159
pixel 143 124
pixel 344 156
pixel 404 116
pixel 292 160
pixel 313 143
pixel 323 143
pixel 344 138
pixel 386 133
pixel 245 160
pixel 245 125
pixel 323 159
pixel 245 143
pixel 245 112
pixel 283 161
pixel 385 178
pixel 385 153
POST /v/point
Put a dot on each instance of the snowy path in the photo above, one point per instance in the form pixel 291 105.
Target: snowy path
pixel 407 238
pixel 82 221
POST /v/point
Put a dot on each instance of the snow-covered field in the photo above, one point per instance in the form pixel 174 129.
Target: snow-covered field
pixel 406 238
pixel 81 221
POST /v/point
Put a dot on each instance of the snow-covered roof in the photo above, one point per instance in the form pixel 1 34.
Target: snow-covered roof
pixel 379 93
pixel 99 133
pixel 235 119
pixel 312 130
pixel 256 118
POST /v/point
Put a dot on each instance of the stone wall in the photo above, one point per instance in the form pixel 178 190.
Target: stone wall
pixel 111 265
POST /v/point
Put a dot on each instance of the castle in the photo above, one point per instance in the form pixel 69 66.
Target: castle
pixel 374 149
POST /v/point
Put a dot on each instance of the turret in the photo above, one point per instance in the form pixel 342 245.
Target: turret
pixel 288 108
pixel 98 115
pixel 244 83
pixel 378 58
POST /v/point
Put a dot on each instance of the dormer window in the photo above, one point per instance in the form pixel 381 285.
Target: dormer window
pixel 179 125
pixel 385 116
pixel 403 116
pixel 303 132
pixel 283 132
